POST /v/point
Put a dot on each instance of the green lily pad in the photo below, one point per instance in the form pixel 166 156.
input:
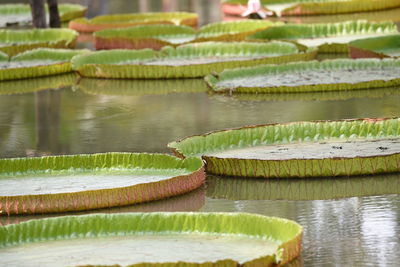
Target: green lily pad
pixel 380 47
pixel 144 36
pixel 141 87
pixel 232 30
pixel 186 61
pixel 13 42
pixel 299 149
pixel 314 76
pixel 127 20
pixel 310 7
pixel 20 14
pixel 376 16
pixel 81 182
pixel 3 57
pixel 302 189
pixel 37 84
pixel 328 37
pixel 38 62
pixel 152 239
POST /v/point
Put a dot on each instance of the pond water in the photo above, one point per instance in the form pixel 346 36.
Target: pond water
pixel 143 116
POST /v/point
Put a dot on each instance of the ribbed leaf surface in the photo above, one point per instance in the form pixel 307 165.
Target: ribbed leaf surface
pixel 287 234
pixel 313 76
pixel 13 42
pixel 311 7
pixel 232 30
pixel 329 37
pixel 127 20
pixel 180 176
pixel 39 62
pixel 297 132
pixel 186 61
pixel 144 36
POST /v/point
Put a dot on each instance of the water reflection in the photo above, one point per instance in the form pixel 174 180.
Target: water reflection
pixel 131 120
pixel 377 93
pixel 303 188
pixel 192 201
pixel 357 231
pixel 37 84
pixel 141 87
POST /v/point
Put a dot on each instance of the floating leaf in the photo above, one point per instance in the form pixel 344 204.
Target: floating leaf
pixel 13 42
pixel 17 14
pixel 141 87
pixel 144 36
pixel 328 37
pixel 81 182
pixel 299 149
pixel 232 30
pixel 38 62
pixel 127 20
pixel 313 76
pixel 310 7
pixel 3 57
pixel 186 61
pixel 302 189
pixel 153 239
pixel 379 47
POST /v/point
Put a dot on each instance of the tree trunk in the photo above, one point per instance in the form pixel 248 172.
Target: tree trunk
pixel 54 14
pixel 38 13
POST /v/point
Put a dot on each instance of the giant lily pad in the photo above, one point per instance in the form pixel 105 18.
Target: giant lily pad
pixel 145 36
pixel 299 149
pixel 310 7
pixel 302 189
pixel 127 20
pixel 13 42
pixel 191 60
pixel 232 30
pixel 141 87
pixel 12 14
pixel 328 37
pixel 328 75
pixel 380 47
pixel 152 239
pixel 37 84
pixel 81 182
pixel 38 62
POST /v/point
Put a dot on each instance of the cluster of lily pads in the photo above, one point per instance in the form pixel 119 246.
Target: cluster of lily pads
pixel 235 57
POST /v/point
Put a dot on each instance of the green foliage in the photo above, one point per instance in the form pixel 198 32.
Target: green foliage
pixel 299 31
pixel 146 31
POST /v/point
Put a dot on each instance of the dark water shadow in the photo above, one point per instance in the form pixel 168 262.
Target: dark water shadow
pixel 233 188
pixel 135 87
pixel 375 93
pixel 23 86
